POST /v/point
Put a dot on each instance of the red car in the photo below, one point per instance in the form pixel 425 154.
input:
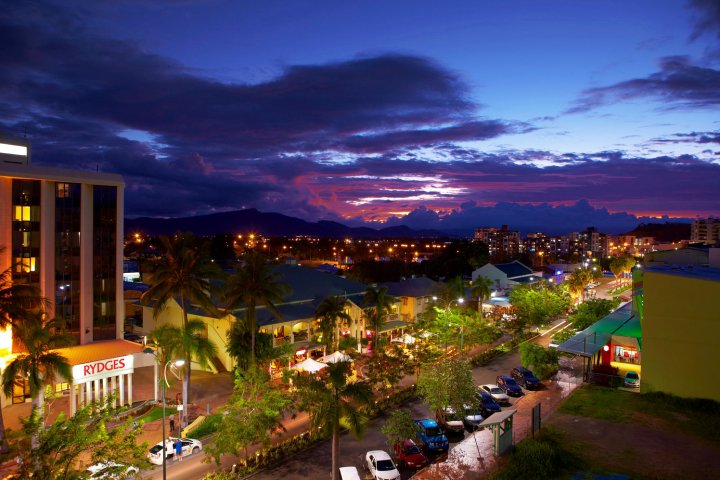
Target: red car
pixel 410 455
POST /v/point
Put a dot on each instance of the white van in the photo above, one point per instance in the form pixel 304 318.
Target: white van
pixel 349 473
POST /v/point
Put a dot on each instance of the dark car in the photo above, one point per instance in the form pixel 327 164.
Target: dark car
pixel 132 337
pixel 449 421
pixel 508 385
pixel 431 436
pixel 473 418
pixel 488 405
pixel 409 455
pixel 525 378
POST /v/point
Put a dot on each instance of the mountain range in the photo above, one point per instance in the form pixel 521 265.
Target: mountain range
pixel 268 224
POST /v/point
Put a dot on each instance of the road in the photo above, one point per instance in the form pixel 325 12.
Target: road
pixel 316 461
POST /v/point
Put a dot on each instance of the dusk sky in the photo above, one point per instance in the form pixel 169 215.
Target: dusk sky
pixel 433 114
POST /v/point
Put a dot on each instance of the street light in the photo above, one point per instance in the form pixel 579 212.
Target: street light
pixel 176 364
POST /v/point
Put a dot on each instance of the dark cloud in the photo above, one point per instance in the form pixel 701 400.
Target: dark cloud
pixel 692 137
pixel 678 84
pixel 707 19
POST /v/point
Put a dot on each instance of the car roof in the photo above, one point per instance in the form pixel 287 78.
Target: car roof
pixel 489 385
pixel 379 454
pixel 504 377
pixel 426 422
pixel 522 369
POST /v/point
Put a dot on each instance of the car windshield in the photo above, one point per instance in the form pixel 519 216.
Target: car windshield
pixel 115 469
pixel 385 465
pixel 412 450
pixel 510 381
pixel 495 390
pixel 155 449
pixel 432 431
pixel 632 375
pixel 528 374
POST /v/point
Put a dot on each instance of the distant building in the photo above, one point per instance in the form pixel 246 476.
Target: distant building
pixel 507 275
pixel 705 230
pixel 14 151
pixel 503 244
pixel 415 295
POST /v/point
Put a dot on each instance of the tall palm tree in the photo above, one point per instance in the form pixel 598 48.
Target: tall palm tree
pixel 380 305
pixel 39 365
pixel 577 282
pixel 187 343
pixel 329 312
pixel 481 289
pixel 332 401
pixel 252 285
pixel 15 300
pixel 184 275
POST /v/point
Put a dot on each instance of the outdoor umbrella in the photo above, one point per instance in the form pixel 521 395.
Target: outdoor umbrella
pixel 336 357
pixel 309 365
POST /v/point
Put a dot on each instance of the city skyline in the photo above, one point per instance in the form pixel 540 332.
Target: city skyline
pixel 453 116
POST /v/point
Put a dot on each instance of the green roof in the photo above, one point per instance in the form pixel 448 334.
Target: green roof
pixel 621 322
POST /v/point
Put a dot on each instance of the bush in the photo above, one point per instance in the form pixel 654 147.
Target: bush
pixel 606 375
pixel 209 426
pixel 539 458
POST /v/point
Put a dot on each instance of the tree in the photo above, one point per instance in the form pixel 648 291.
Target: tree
pixel 387 367
pixel 93 432
pixel 591 311
pixel 617 267
pixel 542 361
pixel 421 354
pixel 253 285
pixel 332 401
pixel 38 364
pixel 536 305
pixel 379 305
pixel 481 289
pixel 185 273
pixel 578 281
pixel 254 410
pixel 448 383
pixel 329 312
pixel 15 300
pixel 399 427
pixel 238 346
pixel 187 343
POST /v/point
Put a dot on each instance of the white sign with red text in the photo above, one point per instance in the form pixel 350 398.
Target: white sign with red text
pixel 102 368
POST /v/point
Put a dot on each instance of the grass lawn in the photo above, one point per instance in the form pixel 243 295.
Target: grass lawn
pixel 699 418
pixel 156 414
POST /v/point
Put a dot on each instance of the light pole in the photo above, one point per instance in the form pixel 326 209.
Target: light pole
pixel 176 364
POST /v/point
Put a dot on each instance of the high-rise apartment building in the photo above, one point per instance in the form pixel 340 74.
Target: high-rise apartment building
pixel 502 242
pixel 62 231
pixel 705 230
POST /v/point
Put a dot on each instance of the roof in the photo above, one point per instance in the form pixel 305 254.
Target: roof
pixel 514 269
pixel 426 422
pixel 497 418
pixel 589 341
pixel 412 287
pixel 92 352
pixel 308 284
pixel 288 312
pixel 392 325
pixel 688 271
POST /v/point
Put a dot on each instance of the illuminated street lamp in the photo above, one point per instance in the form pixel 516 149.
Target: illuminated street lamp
pixel 175 364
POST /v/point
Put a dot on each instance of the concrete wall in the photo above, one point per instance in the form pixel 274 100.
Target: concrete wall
pixel 681 336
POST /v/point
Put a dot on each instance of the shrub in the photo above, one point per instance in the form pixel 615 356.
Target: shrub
pixel 606 375
pixel 538 458
pixel 209 426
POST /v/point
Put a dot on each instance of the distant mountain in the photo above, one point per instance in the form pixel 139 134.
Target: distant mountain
pixel 662 232
pixel 269 224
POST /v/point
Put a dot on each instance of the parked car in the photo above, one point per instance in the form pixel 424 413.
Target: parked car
pixel 473 418
pixel 431 436
pixel 508 385
pixel 449 421
pixel 409 454
pixel 189 446
pixel 381 466
pixel 488 406
pixel 349 473
pixel 497 394
pixel 632 380
pixel 132 337
pixel 525 378
pixel 111 471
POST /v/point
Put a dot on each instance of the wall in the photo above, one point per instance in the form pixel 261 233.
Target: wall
pixel 681 335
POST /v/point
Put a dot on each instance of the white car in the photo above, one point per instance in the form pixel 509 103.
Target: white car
pixel 449 421
pixel 381 465
pixel 189 446
pixel 112 471
pixel 497 394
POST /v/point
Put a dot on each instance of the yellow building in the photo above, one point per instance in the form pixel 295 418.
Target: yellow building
pixel 681 331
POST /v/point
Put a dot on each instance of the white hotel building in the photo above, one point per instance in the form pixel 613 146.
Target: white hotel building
pixel 62 231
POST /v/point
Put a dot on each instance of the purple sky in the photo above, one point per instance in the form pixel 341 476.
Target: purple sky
pixel 432 114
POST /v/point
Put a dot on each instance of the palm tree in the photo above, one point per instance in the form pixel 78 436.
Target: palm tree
pixel 332 401
pixel 253 285
pixel 481 289
pixel 184 275
pixel 380 305
pixel 39 365
pixel 189 344
pixel 15 300
pixel 330 310
pixel 577 282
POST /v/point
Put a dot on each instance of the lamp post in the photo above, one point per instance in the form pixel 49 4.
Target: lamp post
pixel 176 364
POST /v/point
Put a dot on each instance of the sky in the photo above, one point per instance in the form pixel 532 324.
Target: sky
pixel 553 115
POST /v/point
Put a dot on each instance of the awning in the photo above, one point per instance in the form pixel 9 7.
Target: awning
pixel 103 350
pixel 393 325
pixel 589 341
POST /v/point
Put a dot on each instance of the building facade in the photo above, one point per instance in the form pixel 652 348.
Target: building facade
pixel 503 244
pixel 705 230
pixel 62 232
